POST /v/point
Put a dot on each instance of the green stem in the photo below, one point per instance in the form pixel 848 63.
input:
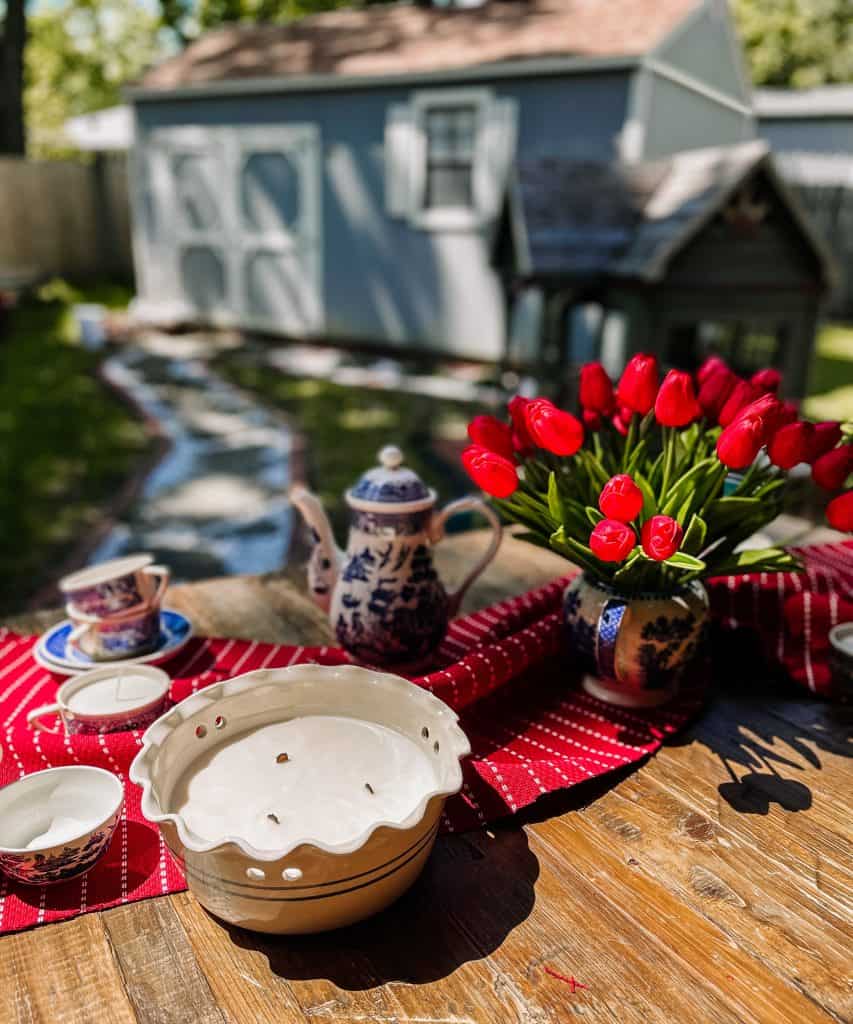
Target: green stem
pixel 630 441
pixel 669 454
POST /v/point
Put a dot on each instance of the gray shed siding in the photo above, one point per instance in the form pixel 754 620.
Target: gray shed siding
pixel 680 118
pixel 810 135
pixel 383 279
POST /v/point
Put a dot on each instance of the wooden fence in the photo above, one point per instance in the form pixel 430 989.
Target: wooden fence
pixel 64 218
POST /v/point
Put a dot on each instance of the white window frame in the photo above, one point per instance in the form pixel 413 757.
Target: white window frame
pixel 451 218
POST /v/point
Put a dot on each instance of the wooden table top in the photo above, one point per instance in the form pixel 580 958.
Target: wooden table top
pixel 712 884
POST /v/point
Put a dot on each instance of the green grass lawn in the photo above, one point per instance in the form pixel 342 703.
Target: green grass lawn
pixel 831 378
pixel 67 444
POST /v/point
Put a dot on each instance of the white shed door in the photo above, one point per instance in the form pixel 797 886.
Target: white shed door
pixel 242 206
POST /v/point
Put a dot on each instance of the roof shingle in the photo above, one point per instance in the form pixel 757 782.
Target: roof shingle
pixel 403 39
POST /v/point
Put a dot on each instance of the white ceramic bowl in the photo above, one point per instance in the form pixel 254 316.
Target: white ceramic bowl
pixel 308 884
pixel 55 824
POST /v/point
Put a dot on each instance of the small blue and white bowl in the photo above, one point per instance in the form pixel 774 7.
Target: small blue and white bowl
pixel 56 824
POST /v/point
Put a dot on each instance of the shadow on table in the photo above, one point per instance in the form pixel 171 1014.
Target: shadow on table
pixel 765 729
pixel 474 891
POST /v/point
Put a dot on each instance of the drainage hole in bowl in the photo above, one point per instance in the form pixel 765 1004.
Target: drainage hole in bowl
pixel 256 874
pixel 219 722
pixel 425 733
pixel 435 746
pixel 291 874
pixel 201 731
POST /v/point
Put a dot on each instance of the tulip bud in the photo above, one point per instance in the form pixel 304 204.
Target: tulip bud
pixel 612 541
pixel 765 410
pixel 551 428
pixel 741 395
pixel 596 389
pixel 621 499
pixel 522 441
pixel 825 437
pixel 489 432
pixel 493 473
pixel 638 385
pixel 675 404
pixel 833 467
pixel 839 512
pixel 712 365
pixel 791 444
pixel 740 443
pixel 661 536
pixel 766 380
pixel 620 424
pixel 788 412
pixel 714 390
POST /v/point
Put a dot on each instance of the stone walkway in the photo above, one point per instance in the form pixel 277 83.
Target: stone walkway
pixel 216 504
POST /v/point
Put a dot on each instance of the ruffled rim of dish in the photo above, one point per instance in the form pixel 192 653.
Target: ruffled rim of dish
pixel 158 732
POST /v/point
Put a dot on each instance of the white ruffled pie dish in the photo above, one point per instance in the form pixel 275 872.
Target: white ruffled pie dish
pixel 308 883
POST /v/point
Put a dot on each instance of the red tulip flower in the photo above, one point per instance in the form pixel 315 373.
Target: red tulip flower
pixel 489 432
pixel 766 410
pixel 791 444
pixel 675 404
pixel 612 541
pixel 740 443
pixel 620 425
pixel 741 395
pixel 638 385
pixel 596 389
pixel 494 473
pixel 621 499
pixel 712 365
pixel 839 512
pixel 766 380
pixel 714 390
pixel 825 437
pixel 522 442
pixel 833 467
pixel 551 428
pixel 661 536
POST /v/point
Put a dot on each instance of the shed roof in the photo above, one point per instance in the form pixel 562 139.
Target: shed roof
pixel 574 218
pixel 823 101
pixel 401 39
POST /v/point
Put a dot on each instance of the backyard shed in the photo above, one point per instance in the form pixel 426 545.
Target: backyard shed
pixel 341 176
pixel 705 251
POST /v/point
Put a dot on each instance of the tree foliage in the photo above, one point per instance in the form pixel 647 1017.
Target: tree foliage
pixel 78 57
pixel 797 43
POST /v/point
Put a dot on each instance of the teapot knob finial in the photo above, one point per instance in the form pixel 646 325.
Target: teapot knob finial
pixel 391 457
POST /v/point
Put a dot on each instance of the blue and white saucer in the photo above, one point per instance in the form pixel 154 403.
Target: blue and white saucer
pixel 54 652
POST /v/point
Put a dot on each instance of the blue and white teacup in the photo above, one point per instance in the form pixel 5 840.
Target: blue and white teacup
pixel 126 636
pixel 115 587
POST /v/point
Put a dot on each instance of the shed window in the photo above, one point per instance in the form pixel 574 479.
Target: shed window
pixel 451 136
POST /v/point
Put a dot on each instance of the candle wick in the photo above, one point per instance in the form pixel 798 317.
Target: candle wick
pixel 282 758
pixel 272 817
pixel 369 788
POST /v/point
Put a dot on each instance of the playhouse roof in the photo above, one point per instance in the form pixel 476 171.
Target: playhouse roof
pixel 582 219
pixel 403 39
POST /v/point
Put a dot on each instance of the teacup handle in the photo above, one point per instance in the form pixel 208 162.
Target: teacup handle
pixel 34 717
pixel 164 573
pixel 472 503
pixel 77 634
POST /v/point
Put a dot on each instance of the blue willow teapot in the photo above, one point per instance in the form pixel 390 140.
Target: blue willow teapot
pixel 386 603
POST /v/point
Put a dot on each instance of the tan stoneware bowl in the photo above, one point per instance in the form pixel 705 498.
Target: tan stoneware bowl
pixel 301 799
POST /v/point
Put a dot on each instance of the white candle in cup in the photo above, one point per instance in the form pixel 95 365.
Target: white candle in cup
pixel 61 829
pixel 115 692
pixel 340 777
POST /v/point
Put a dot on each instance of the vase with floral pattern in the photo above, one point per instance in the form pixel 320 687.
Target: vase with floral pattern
pixel 634 649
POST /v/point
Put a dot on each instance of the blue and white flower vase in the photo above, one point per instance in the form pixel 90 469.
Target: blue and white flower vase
pixel 385 601
pixel 634 649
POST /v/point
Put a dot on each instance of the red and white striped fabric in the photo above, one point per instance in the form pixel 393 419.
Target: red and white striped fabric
pixel 531 733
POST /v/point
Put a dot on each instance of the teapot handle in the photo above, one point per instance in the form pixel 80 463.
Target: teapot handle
pixel 472 503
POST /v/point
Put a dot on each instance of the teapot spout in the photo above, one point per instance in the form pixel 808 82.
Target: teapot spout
pixel 325 561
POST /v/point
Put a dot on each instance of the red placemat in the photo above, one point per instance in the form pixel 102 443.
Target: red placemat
pixel 530 733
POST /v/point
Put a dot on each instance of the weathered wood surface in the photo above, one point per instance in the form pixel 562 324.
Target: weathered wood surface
pixel 713 884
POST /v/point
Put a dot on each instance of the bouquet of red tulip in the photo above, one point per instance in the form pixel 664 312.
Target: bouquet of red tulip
pixel 656 484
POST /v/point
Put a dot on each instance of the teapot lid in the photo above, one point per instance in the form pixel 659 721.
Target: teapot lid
pixel 391 484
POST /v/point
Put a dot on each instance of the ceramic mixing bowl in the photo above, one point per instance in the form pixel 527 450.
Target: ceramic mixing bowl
pixel 304 753
pixel 55 824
